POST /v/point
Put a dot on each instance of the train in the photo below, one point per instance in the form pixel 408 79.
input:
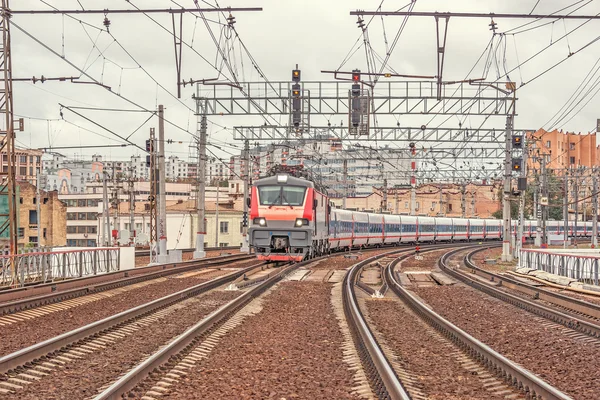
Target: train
pixel 290 220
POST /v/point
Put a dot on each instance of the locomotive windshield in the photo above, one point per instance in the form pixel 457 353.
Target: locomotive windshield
pixel 281 195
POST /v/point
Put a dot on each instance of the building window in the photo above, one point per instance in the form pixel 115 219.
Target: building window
pixel 241 227
pixel 44 233
pixel 71 216
pixel 23 171
pixel 33 219
pixel 82 229
pixel 548 144
pixel 92 229
pixel 572 160
pixel 571 146
pixel 31 171
pixel 23 159
pixel 433 204
pixel 450 207
pixel 33 239
pixel 224 226
pixel 21 233
pixel 71 243
pixel 417 207
pixel 223 244
pixel 71 229
pixel 406 204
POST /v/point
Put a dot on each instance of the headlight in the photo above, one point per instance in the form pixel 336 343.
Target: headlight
pixel 300 221
pixel 260 221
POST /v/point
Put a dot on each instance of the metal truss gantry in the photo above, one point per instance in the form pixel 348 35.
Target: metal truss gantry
pixel 332 97
pixel 381 134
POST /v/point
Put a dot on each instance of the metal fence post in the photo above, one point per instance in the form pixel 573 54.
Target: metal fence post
pixel 95 262
pixel 596 271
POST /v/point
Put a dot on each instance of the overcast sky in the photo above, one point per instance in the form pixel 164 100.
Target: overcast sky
pixel 316 34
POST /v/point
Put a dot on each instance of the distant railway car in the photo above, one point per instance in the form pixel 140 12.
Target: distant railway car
pixel 493 229
pixel 476 227
pixel 444 230
pixel 361 229
pixel 341 227
pixel 461 229
pixel 376 230
pixel 408 229
pixel 392 227
pixel 289 219
pixel 426 229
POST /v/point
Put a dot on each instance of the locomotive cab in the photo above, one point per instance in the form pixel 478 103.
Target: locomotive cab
pixel 287 215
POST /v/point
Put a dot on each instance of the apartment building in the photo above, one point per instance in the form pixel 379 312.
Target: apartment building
pixel 27 164
pixel 563 149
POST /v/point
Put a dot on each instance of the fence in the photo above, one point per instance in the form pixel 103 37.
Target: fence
pixel 47 266
pixel 584 268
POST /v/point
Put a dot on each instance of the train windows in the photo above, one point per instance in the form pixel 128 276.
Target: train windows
pixel 281 195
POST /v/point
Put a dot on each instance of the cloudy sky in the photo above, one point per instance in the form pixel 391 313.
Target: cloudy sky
pixel 136 60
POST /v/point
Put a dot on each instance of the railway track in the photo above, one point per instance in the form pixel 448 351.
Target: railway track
pixel 146 253
pixel 480 353
pixel 32 297
pixel 31 364
pixel 493 285
pixel 535 291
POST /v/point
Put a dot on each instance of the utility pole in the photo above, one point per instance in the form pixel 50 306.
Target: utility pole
pixel 38 210
pixel 537 194
pixel 345 179
pixel 385 195
pixel 544 206
pixel 217 215
pixel 566 210
pixel 246 176
pixel 506 253
pixel 201 197
pixel 105 209
pixel 115 198
pixel 162 188
pixel 463 203
pixel 523 190
pixel 595 172
pixel 153 236
pixel 576 188
pixel 442 213
pixel 397 200
pixel 131 213
pixel 413 180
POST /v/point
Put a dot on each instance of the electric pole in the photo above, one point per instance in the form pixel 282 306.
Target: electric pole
pixel 595 172
pixel 385 195
pixel 131 213
pixel 566 210
pixel 413 180
pixel 463 203
pixel 151 160
pixel 544 203
pixel 38 210
pixel 217 214
pixel 523 189
pixel 105 209
pixel 506 237
pixel 201 197
pixel 246 176
pixel 345 179
pixel 162 188
pixel 576 189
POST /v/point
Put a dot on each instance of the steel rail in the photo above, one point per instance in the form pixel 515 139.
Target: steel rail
pixel 187 339
pixel 28 297
pixel 38 350
pixel 142 253
pixel 518 376
pixel 389 385
pixel 561 300
pixel 566 320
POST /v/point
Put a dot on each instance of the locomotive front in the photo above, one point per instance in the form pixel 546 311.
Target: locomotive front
pixel 281 218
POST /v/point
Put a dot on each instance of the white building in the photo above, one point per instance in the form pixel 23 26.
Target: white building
pixel 325 157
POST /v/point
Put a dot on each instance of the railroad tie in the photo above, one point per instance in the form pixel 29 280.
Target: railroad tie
pixel 350 355
pixel 203 350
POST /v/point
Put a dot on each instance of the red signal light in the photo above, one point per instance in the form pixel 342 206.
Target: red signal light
pixel 356 75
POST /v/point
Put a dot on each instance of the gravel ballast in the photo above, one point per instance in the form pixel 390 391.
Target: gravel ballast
pixel 83 378
pixel 291 349
pixel 572 365
pixel 26 333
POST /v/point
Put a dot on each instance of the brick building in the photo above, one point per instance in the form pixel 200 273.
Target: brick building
pixel 52 222
pixel 433 200
pixel 563 149
pixel 28 163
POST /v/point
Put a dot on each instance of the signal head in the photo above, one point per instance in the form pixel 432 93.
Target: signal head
pixel 356 75
pixel 295 75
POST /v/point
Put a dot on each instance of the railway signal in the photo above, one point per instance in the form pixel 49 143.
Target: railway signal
pixel 517 163
pixel 296 75
pixel 517 142
pixel 296 105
